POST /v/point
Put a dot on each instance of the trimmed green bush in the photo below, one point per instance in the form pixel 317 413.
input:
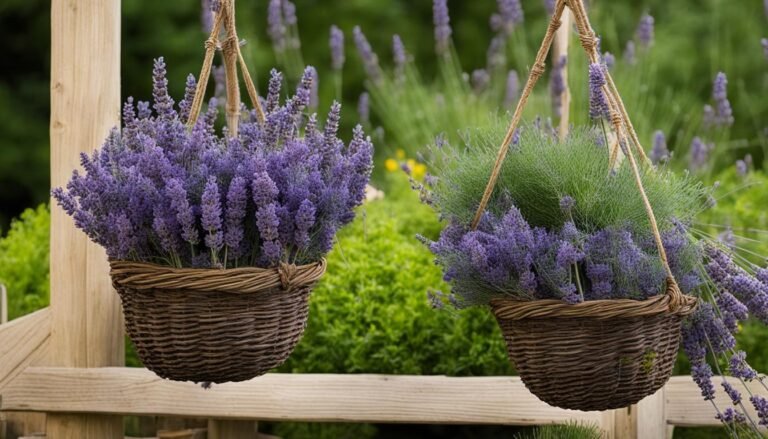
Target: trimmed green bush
pixel 24 262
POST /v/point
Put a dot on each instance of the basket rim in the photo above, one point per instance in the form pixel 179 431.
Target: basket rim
pixel 241 280
pixel 604 309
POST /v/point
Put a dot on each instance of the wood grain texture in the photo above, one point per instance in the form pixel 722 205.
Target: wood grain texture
pixel 23 342
pixel 651 421
pixel 3 304
pixel 306 397
pixel 560 48
pixel 86 326
pixel 229 429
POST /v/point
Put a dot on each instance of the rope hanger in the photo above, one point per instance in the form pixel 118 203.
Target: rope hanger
pixel 619 118
pixel 232 55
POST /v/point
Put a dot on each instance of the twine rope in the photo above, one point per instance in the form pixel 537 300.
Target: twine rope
pixel 232 54
pixel 674 300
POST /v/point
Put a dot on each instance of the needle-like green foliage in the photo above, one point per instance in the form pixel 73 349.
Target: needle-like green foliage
pixel 539 170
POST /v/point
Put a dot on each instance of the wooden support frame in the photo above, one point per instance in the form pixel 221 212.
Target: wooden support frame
pixel 86 322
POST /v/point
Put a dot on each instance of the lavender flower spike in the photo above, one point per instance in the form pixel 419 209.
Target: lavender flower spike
pixel 363 108
pixel 722 105
pixel 557 86
pixel 761 406
pixel 480 80
pixel 513 89
pixel 511 13
pixel 699 154
pixel 399 55
pixel 336 43
pixel 370 60
pixel 211 215
pixel 163 101
pixel 609 60
pixel 598 105
pixel 764 43
pixel 442 23
pixel 630 53
pixel 275 25
pixel 659 152
pixel 645 31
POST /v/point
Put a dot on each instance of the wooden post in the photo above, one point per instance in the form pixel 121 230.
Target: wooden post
pixel 3 304
pixel 559 49
pixel 86 325
pixel 218 429
pixel 651 416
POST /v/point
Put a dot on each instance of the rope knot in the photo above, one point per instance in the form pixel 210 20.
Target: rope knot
pixel 588 40
pixel 230 45
pixel 537 69
pixel 287 272
pixel 210 43
pixel 616 119
pixel 554 25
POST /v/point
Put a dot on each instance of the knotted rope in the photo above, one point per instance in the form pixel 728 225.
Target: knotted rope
pixel 625 133
pixel 230 47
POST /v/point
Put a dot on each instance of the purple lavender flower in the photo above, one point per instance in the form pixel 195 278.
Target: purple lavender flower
pixel 557 86
pixel 163 102
pixel 724 113
pixel 289 13
pixel 369 57
pixel 549 5
pixel 513 89
pixel 738 367
pixel 189 95
pixel 659 152
pixel 480 80
pixel 731 416
pixel 364 108
pixel 496 54
pixel 511 14
pixel 598 105
pixel 305 219
pixel 275 25
pixel 206 16
pixel 645 31
pixel 761 406
pixel 442 26
pixel 732 393
pixel 566 204
pixel 211 215
pixel 237 202
pixel 184 213
pixel 702 376
pixel 153 191
pixel 337 48
pixel 630 53
pixel 399 55
pixel 314 99
pixel 699 154
pixel 609 60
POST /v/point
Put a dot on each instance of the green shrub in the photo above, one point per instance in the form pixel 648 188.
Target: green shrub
pixel 24 262
pixel 370 312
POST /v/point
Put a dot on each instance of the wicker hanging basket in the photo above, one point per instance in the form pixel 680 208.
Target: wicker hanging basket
pixel 210 325
pixel 601 354
pixel 216 325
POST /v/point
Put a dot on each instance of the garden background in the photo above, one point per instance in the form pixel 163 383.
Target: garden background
pixel 370 313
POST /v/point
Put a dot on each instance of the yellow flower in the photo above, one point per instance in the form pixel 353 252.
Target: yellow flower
pixel 411 164
pixel 400 154
pixel 391 165
pixel 419 170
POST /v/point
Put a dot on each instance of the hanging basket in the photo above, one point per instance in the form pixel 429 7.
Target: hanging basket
pixel 212 325
pixel 595 355
pixel 601 354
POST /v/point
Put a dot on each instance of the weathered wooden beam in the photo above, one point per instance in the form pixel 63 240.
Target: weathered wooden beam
pixel 23 342
pixel 3 304
pixel 229 429
pixel 305 397
pixel 86 326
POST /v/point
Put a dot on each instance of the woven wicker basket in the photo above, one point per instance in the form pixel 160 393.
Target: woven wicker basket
pixel 214 326
pixel 595 355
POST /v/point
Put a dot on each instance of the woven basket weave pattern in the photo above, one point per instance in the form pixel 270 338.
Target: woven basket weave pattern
pixel 590 364
pixel 215 336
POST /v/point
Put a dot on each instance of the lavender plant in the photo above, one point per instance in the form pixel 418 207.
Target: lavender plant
pixel 160 192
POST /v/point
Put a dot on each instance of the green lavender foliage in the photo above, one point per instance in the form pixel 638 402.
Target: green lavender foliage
pixel 540 170
pixel 564 431
pixel 24 262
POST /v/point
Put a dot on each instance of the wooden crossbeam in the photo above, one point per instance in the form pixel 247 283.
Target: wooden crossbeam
pixel 23 342
pixel 300 397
